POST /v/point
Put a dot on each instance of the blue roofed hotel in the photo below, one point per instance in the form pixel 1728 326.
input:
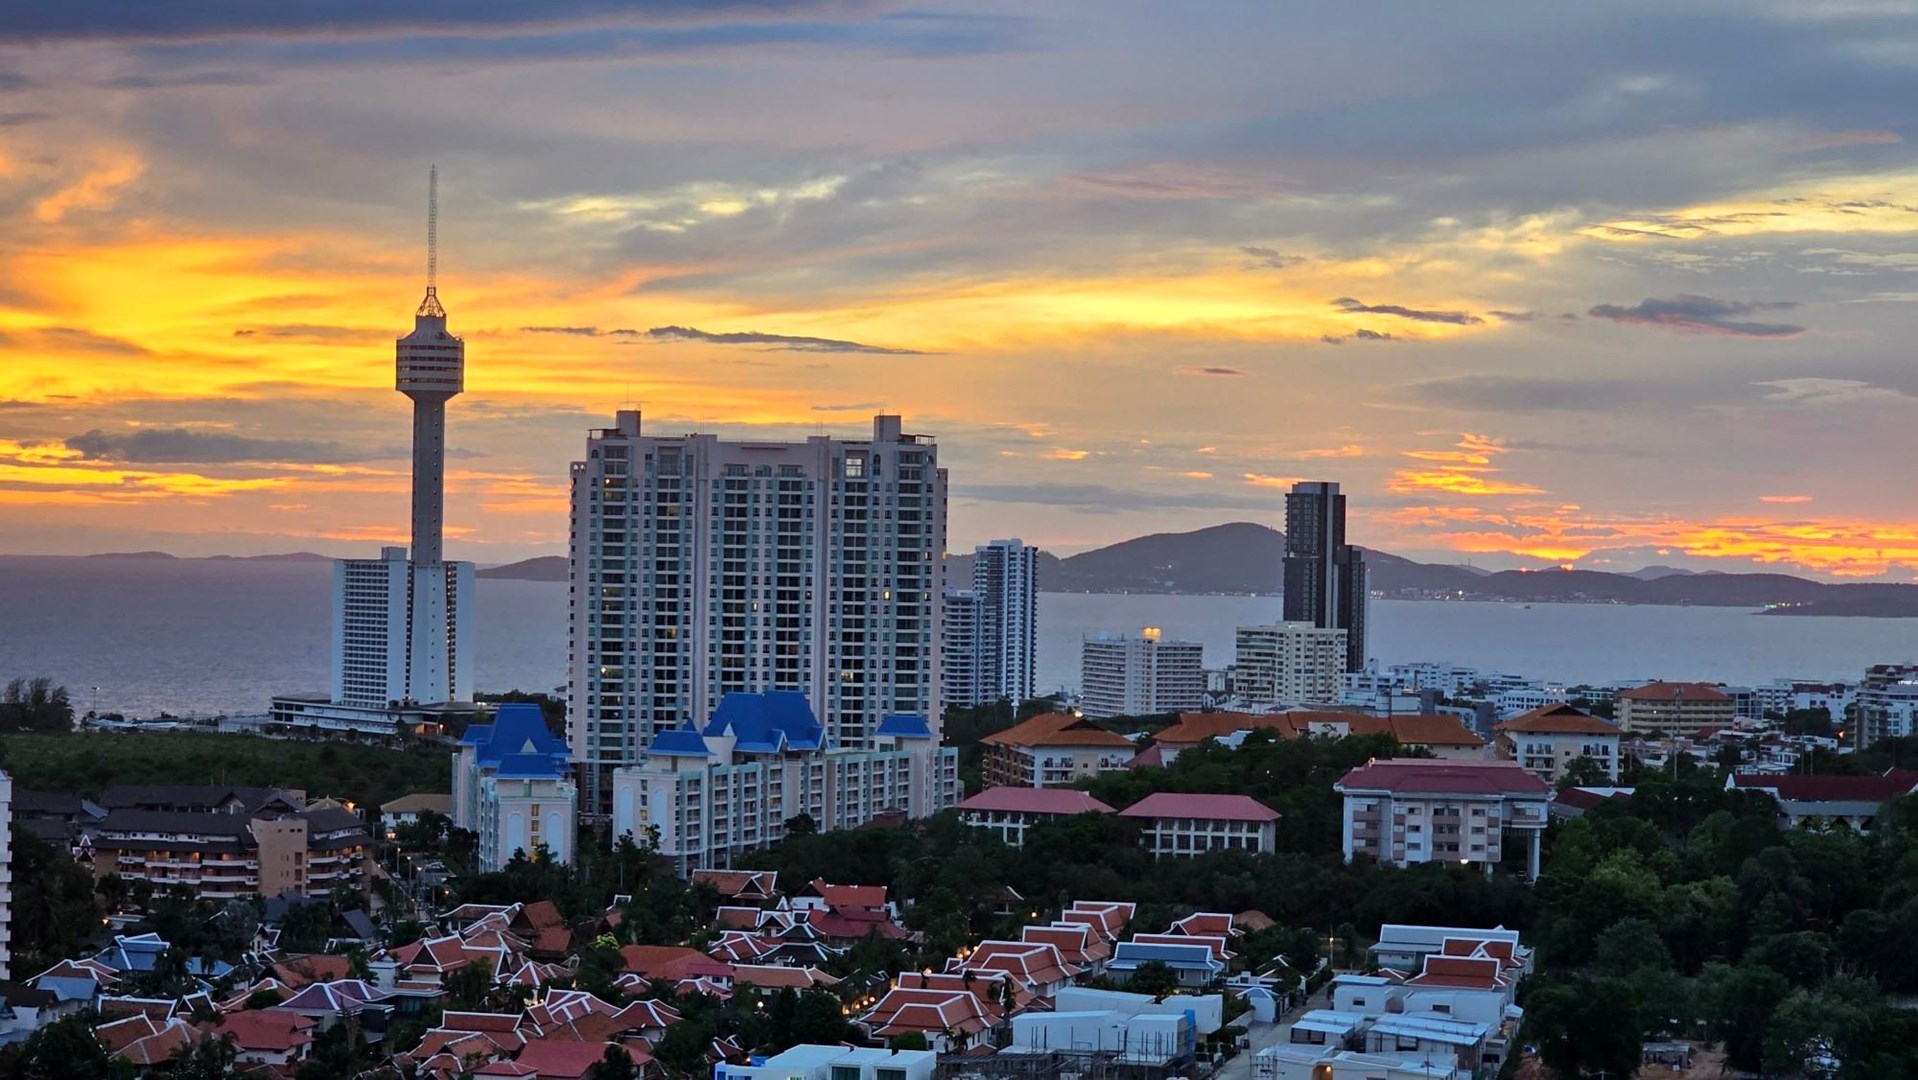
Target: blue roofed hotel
pixel 514 787
pixel 703 797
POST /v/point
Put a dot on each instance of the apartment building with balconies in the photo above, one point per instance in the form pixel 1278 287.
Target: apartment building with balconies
pixel 1548 739
pixel 1405 811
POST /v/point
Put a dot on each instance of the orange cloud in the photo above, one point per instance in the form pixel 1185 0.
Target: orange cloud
pixel 1784 498
pixel 1263 480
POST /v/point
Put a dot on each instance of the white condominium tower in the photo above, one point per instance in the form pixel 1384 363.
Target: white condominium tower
pixel 991 643
pixel 704 566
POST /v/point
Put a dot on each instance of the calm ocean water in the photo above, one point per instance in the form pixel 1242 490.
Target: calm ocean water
pixel 206 636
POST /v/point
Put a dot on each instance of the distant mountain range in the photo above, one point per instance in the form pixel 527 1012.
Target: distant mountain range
pixel 288 556
pixel 1247 559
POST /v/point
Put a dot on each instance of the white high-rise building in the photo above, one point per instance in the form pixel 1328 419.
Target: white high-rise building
pixel 401 627
pixel 1140 676
pixel 1004 578
pixel 1289 663
pixel 703 567
pixel 374 664
pixel 959 651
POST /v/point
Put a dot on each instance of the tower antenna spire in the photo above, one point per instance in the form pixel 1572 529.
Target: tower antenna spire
pixel 431 305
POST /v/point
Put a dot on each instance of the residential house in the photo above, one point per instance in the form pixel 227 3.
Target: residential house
pixel 1009 811
pixel 268 1037
pixel 1196 963
pixel 1053 750
pixel 815 1062
pixel 222 853
pixel 1036 967
pixel 406 810
pixel 1548 739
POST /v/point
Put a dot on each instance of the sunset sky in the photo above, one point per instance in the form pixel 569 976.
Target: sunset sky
pixel 1537 282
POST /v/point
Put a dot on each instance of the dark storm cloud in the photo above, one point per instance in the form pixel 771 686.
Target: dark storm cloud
pixel 1513 316
pixel 1359 307
pixel 1518 393
pixel 1265 258
pixel 179 445
pixel 1701 315
pixel 1098 498
pixel 787 342
pixel 145 19
pixel 1214 371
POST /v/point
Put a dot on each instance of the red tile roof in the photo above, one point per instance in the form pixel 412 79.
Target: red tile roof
pixel 1793 788
pixel 1558 719
pixel 866 896
pixel 267 1029
pixel 670 963
pixel 1412 776
pixel 1179 804
pixel 931 1012
pixel 1056 729
pixel 1029 800
pixel 554 1059
pixel 1668 692
pixel 1464 972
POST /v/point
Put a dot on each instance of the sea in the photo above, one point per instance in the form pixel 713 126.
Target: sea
pixel 204 637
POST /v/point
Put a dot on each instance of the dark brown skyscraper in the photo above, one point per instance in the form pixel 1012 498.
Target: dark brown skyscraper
pixel 1324 576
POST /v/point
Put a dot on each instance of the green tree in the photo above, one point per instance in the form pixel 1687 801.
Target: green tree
pixel 817 1019
pixel 35 704
pixel 67 1050
pixel 1583 1026
pixel 615 1064
pixel 1154 977
pixel 1738 1006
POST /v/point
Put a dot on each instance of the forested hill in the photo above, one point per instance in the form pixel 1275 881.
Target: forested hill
pixel 1248 558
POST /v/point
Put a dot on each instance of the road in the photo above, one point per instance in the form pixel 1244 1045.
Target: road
pixel 1264 1035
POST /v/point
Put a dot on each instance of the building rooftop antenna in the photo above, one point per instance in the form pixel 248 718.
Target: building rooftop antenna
pixel 431 305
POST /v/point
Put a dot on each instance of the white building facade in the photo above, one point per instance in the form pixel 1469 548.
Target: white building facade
pixel 1407 811
pixel 1289 663
pixel 379 660
pixel 1138 676
pixel 704 567
pixel 705 797
pixel 513 786
pixel 962 681
pixel 6 877
pixel 1005 580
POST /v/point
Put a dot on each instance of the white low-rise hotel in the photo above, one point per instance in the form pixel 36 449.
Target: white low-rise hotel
pixel 1010 811
pixel 1175 824
pixel 705 797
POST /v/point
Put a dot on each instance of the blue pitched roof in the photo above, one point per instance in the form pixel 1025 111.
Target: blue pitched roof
pixel 518 744
pixel 767 723
pixel 1127 955
pixel 904 726
pixel 684 742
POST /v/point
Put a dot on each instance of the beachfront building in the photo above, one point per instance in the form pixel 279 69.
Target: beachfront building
pixel 513 786
pixel 1177 824
pixel 1010 811
pixel 1053 750
pixel 1140 676
pixel 1289 663
pixel 1887 701
pixel 1548 739
pixel 705 567
pixel 706 796
pixel 1678 709
pixel 1406 811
